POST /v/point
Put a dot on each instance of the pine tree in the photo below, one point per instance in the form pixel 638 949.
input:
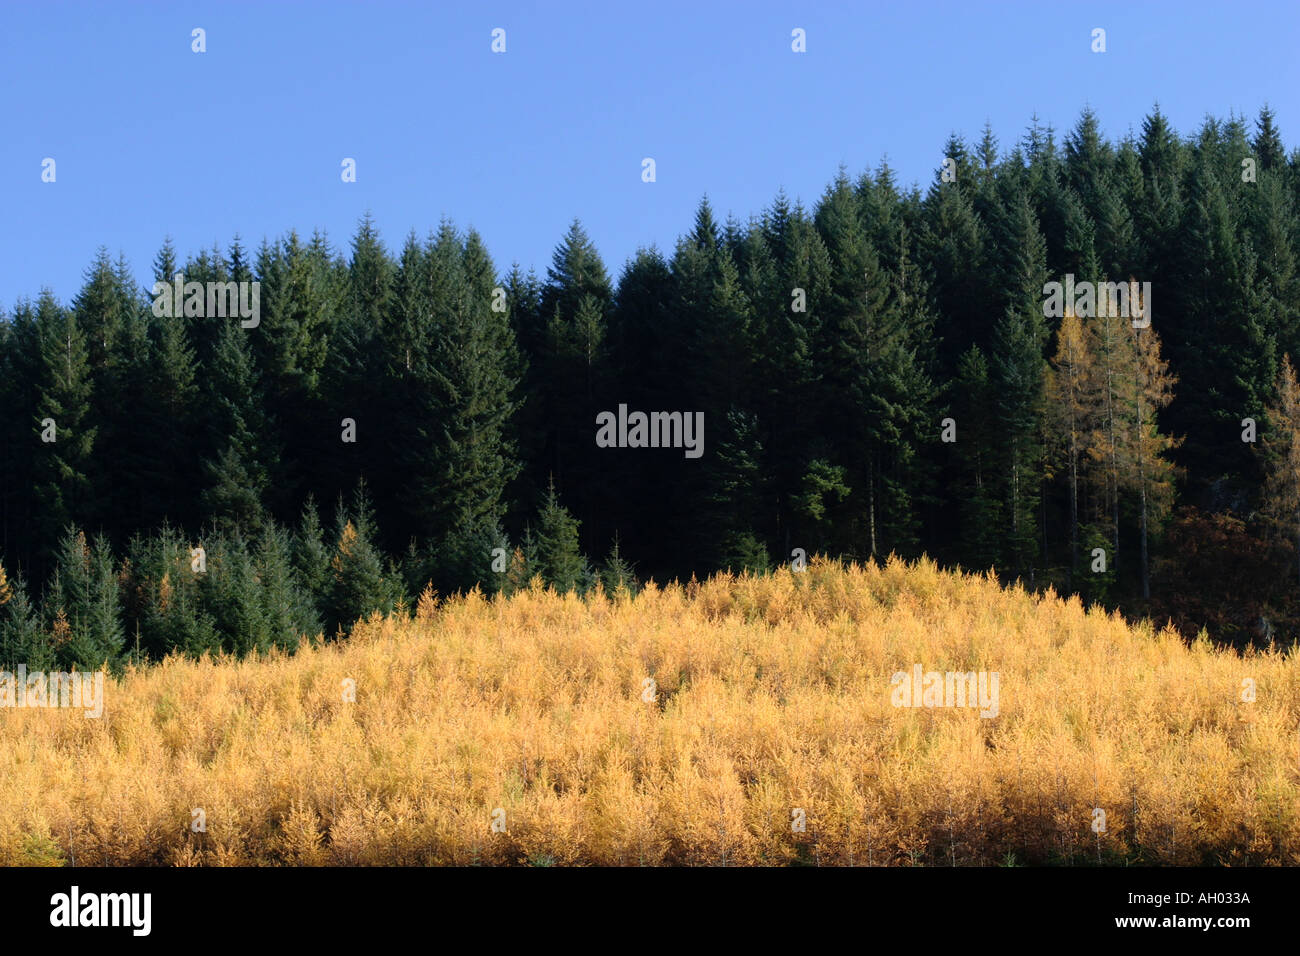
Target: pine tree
pixel 287 609
pixel 854 326
pixel 355 390
pixel 616 575
pixel 20 444
pixel 463 560
pixel 361 582
pixel 235 471
pixel 87 599
pixel 738 494
pixel 1088 162
pixel 304 290
pixel 131 488
pixel 743 552
pixel 170 468
pixel 232 595
pixel 1018 372
pixel 62 467
pixel 103 306
pixel 1218 344
pixel 1117 242
pixel 311 556
pixel 974 399
pixel 568 373
pixel 164 263
pixel 22 641
pixel 954 249
pixel 785 254
pixel 559 560
pixel 647 339
pixel 1268 141
pixel 522 568
pixel 165 607
pixel 472 457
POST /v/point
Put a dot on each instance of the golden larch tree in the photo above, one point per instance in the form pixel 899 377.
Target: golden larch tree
pixel 1150 473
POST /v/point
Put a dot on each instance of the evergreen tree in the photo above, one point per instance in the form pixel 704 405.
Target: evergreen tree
pixel 286 608
pixel 1267 143
pixel 22 641
pixel 311 556
pixel 559 560
pixel 165 607
pixel 361 582
pixel 64 412
pixel 236 474
pixel 20 442
pixel 646 337
pixel 738 495
pixel 786 255
pixel 570 369
pixel 977 448
pixel 232 595
pixel 354 390
pixel 953 243
pixel 86 598
pixel 1018 373
pixel 1280 447
pixel 170 467
pixel 616 574
pixel 474 392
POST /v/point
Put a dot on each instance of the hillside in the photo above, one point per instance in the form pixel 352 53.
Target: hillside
pixel 771 694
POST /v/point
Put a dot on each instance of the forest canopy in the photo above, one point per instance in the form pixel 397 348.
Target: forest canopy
pixel 879 373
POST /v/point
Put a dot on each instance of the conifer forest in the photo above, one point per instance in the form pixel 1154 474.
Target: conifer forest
pixel 887 370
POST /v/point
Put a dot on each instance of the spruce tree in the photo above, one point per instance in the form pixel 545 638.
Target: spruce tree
pixel 64 412
pixel 287 609
pixel 166 606
pixel 232 596
pixel 361 583
pixel 1018 370
pixel 1268 141
pixel 977 448
pixel 235 470
pixel 1280 449
pixel 616 574
pixel 559 560
pixel 22 640
pixel 87 599
pixel 463 493
pixel 311 556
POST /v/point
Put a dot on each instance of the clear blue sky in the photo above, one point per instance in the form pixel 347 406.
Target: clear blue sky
pixel 150 138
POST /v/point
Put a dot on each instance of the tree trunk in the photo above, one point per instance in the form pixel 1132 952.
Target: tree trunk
pixel 1146 571
pixel 871 504
pixel 1074 500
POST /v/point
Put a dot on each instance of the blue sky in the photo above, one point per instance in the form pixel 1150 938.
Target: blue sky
pixel 152 139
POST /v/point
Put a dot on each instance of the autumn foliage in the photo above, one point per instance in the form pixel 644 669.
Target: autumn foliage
pixel 771 693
